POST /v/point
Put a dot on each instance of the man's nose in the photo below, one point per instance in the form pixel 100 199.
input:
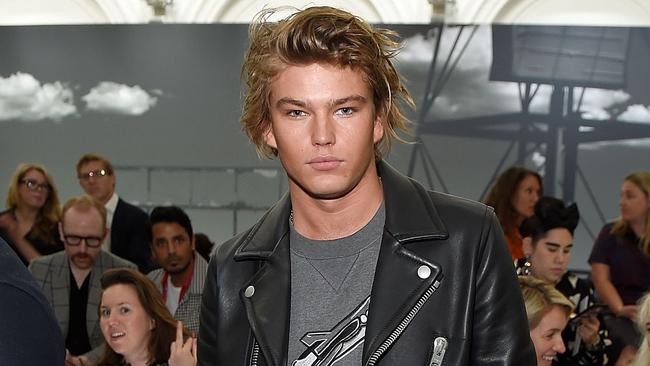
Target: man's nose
pixel 323 131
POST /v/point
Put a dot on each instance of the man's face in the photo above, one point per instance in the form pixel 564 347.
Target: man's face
pixel 86 224
pixel 172 246
pixel 99 187
pixel 324 127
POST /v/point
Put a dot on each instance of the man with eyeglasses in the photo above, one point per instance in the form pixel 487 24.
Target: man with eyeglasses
pixel 128 229
pixel 70 279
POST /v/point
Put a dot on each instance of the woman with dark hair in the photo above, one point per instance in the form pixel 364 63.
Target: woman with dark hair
pixel 138 328
pixel 547 244
pixel 513 197
pixel 620 263
pixel 30 222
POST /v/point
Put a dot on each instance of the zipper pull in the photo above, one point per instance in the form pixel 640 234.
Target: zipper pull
pixel 439 348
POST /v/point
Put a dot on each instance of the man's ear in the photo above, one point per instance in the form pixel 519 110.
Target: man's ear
pixel 378 129
pixel 193 241
pixel 60 225
pixel 527 246
pixel 269 137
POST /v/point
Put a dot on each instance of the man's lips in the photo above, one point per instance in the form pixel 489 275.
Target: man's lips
pixel 324 162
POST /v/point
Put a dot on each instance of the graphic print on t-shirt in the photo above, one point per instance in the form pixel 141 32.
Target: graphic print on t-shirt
pixel 325 348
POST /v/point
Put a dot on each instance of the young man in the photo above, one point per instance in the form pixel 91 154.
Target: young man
pixel 127 224
pixel 182 276
pixel 70 279
pixel 357 265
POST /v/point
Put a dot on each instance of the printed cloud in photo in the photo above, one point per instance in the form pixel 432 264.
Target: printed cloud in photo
pixel 24 98
pixel 111 97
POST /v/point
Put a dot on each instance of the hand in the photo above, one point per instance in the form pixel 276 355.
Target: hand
pixel 182 354
pixel 588 329
pixel 71 360
pixel 628 311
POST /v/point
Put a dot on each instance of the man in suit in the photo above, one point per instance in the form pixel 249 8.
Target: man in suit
pixel 128 237
pixel 29 333
pixel 70 279
pixel 181 278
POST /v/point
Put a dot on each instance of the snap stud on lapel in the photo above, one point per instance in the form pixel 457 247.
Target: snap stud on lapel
pixel 250 290
pixel 424 272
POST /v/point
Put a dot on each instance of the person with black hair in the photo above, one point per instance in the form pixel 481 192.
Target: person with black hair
pixel 181 278
pixel 547 244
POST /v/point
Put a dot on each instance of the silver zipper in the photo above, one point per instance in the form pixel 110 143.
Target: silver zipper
pixel 439 348
pixel 397 332
pixel 255 354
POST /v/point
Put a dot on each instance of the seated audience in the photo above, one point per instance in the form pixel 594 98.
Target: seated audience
pixel 29 333
pixel 548 312
pixel 138 328
pixel 29 224
pixel 181 278
pixel 547 245
pixel 203 245
pixel 70 279
pixel 643 354
pixel 620 264
pixel 513 197
pixel 128 229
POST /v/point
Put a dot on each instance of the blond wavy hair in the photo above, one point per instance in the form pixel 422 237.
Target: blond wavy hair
pixel 539 297
pixel 321 35
pixel 49 214
pixel 642 357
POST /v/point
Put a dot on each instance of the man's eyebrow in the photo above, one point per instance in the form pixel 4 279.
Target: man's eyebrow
pixel 290 101
pixel 351 98
pixel 333 103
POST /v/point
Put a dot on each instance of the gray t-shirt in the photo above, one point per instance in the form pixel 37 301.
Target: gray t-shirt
pixel 331 281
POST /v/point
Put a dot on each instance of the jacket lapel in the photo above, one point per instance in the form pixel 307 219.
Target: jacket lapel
pixel 94 298
pixel 410 217
pixel 61 291
pixel 266 296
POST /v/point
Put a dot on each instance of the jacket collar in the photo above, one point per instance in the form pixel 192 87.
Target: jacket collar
pixel 401 194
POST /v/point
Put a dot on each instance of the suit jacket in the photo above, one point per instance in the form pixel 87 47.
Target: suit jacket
pixel 190 305
pixel 52 274
pixel 130 235
pixel 29 335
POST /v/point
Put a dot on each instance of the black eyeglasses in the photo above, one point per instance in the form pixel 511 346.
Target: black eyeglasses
pixel 91 241
pixel 93 173
pixel 33 185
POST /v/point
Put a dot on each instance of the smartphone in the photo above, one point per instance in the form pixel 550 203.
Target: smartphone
pixel 593 310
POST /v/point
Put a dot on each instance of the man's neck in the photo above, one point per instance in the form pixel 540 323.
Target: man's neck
pixel 178 279
pixel 79 274
pixel 328 219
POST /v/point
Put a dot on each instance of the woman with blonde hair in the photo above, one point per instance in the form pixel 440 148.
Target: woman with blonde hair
pixel 643 355
pixel 620 264
pixel 548 313
pixel 30 222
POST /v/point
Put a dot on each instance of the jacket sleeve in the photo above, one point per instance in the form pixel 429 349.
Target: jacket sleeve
pixel 208 320
pixel 501 335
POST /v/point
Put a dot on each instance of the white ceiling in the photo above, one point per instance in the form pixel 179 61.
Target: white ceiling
pixel 576 12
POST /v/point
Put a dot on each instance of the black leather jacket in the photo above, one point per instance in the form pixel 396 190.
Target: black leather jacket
pixel 469 309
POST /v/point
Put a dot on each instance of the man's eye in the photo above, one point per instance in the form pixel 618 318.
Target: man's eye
pixel 345 111
pixel 296 113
